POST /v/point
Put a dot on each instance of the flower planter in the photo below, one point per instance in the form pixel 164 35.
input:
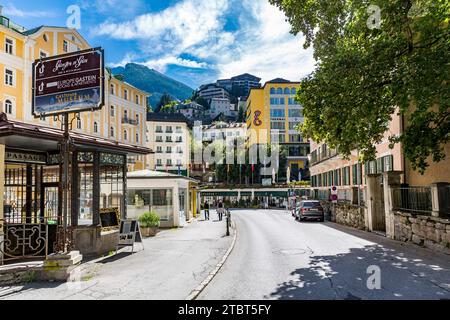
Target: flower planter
pixel 149 232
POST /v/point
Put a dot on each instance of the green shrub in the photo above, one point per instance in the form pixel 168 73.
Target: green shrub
pixel 149 220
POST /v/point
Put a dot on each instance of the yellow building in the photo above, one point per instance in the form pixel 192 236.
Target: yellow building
pixel 272 110
pixel 122 118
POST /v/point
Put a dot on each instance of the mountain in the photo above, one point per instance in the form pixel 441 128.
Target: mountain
pixel 153 82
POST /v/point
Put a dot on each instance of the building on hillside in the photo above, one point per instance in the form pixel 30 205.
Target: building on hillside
pixel 219 106
pixel 168 136
pixel 211 91
pixel 272 110
pixel 209 134
pixel 122 117
pixel 240 86
pixel 192 110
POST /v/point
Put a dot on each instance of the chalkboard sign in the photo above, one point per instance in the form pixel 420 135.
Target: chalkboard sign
pixel 129 234
pixel 109 218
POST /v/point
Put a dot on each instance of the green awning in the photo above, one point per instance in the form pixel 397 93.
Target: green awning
pixel 271 194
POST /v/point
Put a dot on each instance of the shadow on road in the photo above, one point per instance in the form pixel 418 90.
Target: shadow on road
pixel 345 277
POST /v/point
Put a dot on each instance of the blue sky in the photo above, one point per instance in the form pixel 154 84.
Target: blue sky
pixel 194 41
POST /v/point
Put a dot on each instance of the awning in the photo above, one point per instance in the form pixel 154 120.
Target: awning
pixel 219 193
pixel 25 136
pixel 283 194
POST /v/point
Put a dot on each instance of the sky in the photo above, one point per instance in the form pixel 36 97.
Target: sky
pixel 193 41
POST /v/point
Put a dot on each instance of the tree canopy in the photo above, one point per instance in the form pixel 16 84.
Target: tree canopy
pixel 165 100
pixel 374 62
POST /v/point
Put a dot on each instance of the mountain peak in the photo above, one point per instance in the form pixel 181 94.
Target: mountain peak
pixel 153 82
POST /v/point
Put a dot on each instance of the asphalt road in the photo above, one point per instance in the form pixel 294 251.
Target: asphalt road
pixel 276 257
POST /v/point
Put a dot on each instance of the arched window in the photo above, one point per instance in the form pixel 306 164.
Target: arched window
pixel 112 88
pixel 112 131
pixel 125 134
pixel 293 91
pixel 272 91
pixel 95 127
pixel 287 91
pixel 8 107
pixel 79 124
pixel 279 91
pixel 137 137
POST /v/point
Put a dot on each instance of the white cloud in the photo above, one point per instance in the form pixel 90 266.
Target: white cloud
pixel 262 45
pixel 11 10
pixel 161 64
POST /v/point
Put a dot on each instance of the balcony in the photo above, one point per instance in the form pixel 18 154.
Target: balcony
pixel 126 120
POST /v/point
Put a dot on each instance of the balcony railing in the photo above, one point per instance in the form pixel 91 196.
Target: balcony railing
pixel 412 199
pixel 133 122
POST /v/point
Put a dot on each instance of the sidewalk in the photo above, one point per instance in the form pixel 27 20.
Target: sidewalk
pixel 173 263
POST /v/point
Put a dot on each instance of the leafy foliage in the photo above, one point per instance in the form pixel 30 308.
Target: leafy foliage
pixel 367 73
pixel 149 220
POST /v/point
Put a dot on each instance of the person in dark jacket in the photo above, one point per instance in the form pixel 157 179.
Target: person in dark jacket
pixel 220 210
pixel 206 210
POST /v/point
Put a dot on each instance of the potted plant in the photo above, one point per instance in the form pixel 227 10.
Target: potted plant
pixel 149 223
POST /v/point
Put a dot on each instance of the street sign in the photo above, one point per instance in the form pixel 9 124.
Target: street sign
pixel 334 196
pixel 72 82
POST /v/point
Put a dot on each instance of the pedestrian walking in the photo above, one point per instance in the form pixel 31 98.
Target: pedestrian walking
pixel 220 210
pixel 206 210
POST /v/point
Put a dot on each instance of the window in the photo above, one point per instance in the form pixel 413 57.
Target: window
pixel 293 125
pixel 179 150
pixel 169 139
pixel 45 37
pixel 272 91
pixel 356 174
pixel 112 89
pixel 277 113
pixel 159 149
pixel 8 107
pixel 125 94
pixel 282 101
pixel 112 131
pixel 179 139
pixel 65 46
pixel 159 139
pixel 279 91
pixel 9 77
pixel 169 150
pixel 295 113
pixel 159 129
pixel 295 138
pixel 169 162
pixel 9 46
pixel 95 127
pixel 346 176
pixel 169 130
pixel 287 91
pixel 293 91
pixel 79 124
pixel 277 125
pixel 137 99
pixel 137 119
pixel 125 134
pixel 179 164
pixel 112 111
pixel 179 130
pixel 159 162
pixel 125 114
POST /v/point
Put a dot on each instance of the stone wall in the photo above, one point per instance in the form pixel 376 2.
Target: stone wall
pixel 430 232
pixel 350 215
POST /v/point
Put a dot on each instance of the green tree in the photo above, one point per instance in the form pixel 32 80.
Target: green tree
pixel 165 100
pixel 372 62
pixel 169 108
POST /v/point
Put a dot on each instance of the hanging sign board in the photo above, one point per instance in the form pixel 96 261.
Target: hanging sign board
pixel 129 233
pixel 72 82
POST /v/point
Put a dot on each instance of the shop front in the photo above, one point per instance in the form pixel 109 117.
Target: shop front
pixel 172 197
pixel 31 218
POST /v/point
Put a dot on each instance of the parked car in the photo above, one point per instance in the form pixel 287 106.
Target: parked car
pixel 310 210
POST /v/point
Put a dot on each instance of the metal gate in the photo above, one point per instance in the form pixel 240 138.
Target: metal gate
pixel 380 214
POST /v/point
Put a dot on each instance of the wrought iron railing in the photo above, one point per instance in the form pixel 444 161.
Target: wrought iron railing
pixel 24 241
pixel 412 199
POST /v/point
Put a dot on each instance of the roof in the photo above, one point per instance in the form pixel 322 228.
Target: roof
pixel 166 117
pixel 246 75
pixel 33 136
pixel 151 174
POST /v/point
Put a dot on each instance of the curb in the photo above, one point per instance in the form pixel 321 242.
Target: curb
pixel 196 292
